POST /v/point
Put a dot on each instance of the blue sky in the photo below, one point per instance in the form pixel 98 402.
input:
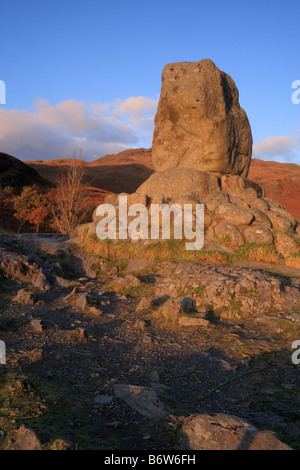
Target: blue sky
pixel 87 74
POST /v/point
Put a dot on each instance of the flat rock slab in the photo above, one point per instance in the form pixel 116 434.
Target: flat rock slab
pixel 103 399
pixel 142 399
pixel 181 181
pixel 137 264
pixel 248 290
pixel 277 268
pixel 226 432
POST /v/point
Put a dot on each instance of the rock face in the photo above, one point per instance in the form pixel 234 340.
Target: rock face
pixel 24 439
pixel 177 182
pixel 235 290
pixel 226 432
pixel 20 267
pixel 199 123
pixel 236 213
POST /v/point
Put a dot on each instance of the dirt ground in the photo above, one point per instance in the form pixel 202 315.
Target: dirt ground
pixel 63 361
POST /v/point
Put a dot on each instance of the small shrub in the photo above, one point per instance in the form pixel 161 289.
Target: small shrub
pixel 9 191
pixel 32 207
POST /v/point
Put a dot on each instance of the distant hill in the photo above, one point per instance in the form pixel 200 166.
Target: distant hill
pixel 125 171
pixel 17 174
pixel 281 181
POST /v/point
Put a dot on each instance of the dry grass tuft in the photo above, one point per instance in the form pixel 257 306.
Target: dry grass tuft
pixel 119 251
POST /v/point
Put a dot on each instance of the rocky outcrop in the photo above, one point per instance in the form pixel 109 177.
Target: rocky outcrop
pixel 23 439
pixel 234 290
pixel 41 263
pixel 236 213
pixel 199 123
pixel 177 182
pixel 19 267
pixel 226 432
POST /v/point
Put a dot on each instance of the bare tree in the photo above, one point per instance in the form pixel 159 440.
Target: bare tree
pixel 71 199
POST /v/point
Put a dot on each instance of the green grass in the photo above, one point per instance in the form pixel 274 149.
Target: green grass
pixel 224 238
pixel 254 294
pixel 190 291
pixel 154 252
pixel 35 403
pixel 47 409
pixel 261 252
pixel 294 255
pixel 291 234
pixel 139 291
pixel 235 305
pixel 120 251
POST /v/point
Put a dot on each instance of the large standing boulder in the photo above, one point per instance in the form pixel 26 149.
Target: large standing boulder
pixel 199 122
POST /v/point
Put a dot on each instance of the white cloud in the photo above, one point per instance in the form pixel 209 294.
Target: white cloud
pixel 281 148
pixel 135 106
pixel 139 111
pixel 100 108
pixel 56 131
